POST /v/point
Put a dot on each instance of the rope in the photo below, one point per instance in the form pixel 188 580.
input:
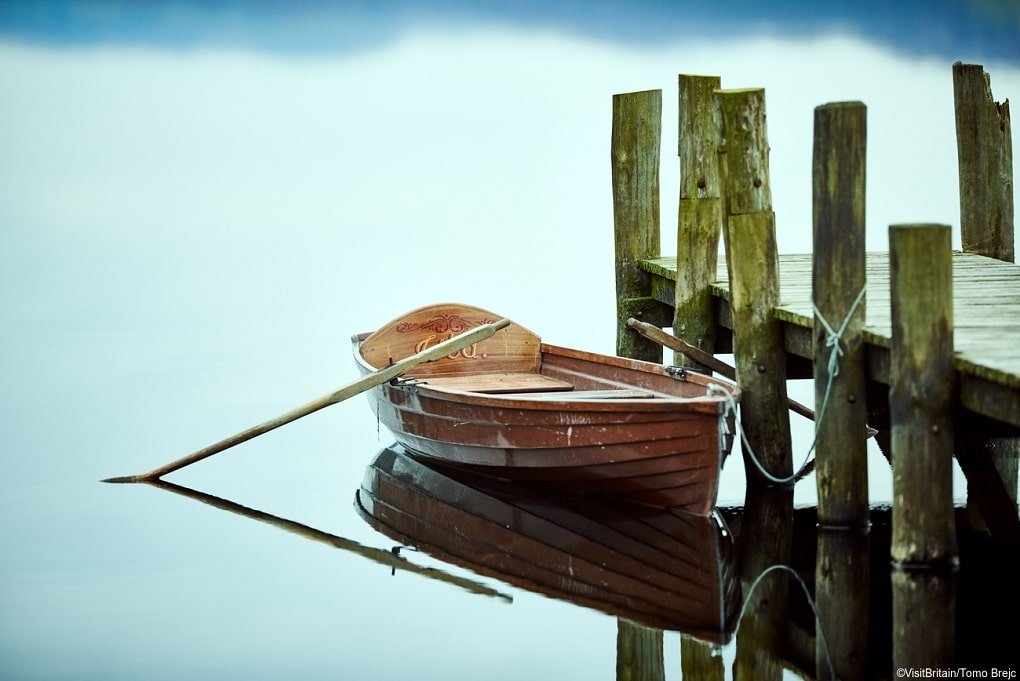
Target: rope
pixel 833 340
pixel 810 601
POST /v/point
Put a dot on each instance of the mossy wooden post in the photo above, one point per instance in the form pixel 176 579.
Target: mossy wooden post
pixel 637 130
pixel 838 276
pixel 921 381
pixel 754 283
pixel 700 218
pixel 843 596
pixel 985 152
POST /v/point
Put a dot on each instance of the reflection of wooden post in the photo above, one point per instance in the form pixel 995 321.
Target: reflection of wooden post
pixel 700 217
pixel 638 653
pixel 766 538
pixel 697 661
pixel 842 592
pixel 635 158
pixel 924 619
pixel 838 277
pixel 754 282
pixel 921 393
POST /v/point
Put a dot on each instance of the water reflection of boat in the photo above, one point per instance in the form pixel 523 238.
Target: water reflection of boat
pixel 660 568
pixel 514 407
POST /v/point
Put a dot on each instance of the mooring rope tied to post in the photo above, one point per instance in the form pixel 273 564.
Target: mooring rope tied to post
pixel 833 341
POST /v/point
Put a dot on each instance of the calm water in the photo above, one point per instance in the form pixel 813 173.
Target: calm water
pixel 191 228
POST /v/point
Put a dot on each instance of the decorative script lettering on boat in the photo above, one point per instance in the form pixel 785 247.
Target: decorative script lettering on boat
pixel 514 349
pixel 444 327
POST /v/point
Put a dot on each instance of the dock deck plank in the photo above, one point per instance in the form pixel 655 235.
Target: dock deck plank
pixel 986 299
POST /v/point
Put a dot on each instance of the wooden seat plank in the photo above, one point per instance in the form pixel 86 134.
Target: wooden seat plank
pixel 501 382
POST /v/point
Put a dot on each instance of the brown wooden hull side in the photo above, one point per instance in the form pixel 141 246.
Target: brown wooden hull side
pixel 664 452
pixel 656 567
pixel 671 463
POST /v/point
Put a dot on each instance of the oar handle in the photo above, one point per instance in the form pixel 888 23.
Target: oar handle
pixel 438 351
pixel 654 333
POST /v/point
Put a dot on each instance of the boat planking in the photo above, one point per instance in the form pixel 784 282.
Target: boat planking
pixel 516 408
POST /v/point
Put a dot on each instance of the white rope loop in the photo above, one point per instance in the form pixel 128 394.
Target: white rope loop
pixel 807 594
pixel 833 341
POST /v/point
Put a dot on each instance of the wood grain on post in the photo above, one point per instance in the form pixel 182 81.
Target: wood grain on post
pixel 754 282
pixel 637 130
pixel 921 381
pixel 985 151
pixel 838 276
pixel 700 218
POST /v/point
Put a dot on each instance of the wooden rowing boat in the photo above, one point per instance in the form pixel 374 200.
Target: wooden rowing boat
pixel 658 567
pixel 513 407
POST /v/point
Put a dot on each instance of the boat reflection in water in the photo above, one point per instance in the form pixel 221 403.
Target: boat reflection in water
pixel 658 568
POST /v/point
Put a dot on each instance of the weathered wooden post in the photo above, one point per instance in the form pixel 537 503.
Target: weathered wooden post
pixel 700 218
pixel 637 130
pixel 754 283
pixel 838 277
pixel 921 382
pixel 985 151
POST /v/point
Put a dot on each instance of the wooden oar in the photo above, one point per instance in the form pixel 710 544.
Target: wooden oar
pixel 654 333
pixel 379 377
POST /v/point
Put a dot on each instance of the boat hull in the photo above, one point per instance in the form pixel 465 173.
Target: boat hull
pixel 623 429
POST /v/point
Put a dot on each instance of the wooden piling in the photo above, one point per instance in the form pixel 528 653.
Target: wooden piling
pixel 985 151
pixel 838 276
pixel 921 379
pixel 754 282
pixel 700 218
pixel 637 130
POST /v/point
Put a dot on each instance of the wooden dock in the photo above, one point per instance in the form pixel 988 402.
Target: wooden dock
pixel 921 343
pixel 986 338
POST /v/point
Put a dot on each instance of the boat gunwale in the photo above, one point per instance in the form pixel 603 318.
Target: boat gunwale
pixel 658 402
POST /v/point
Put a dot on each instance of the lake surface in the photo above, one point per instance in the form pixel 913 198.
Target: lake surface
pixel 191 229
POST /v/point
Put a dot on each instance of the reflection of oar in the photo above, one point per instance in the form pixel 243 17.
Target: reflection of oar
pixel 389 558
pixel 379 377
